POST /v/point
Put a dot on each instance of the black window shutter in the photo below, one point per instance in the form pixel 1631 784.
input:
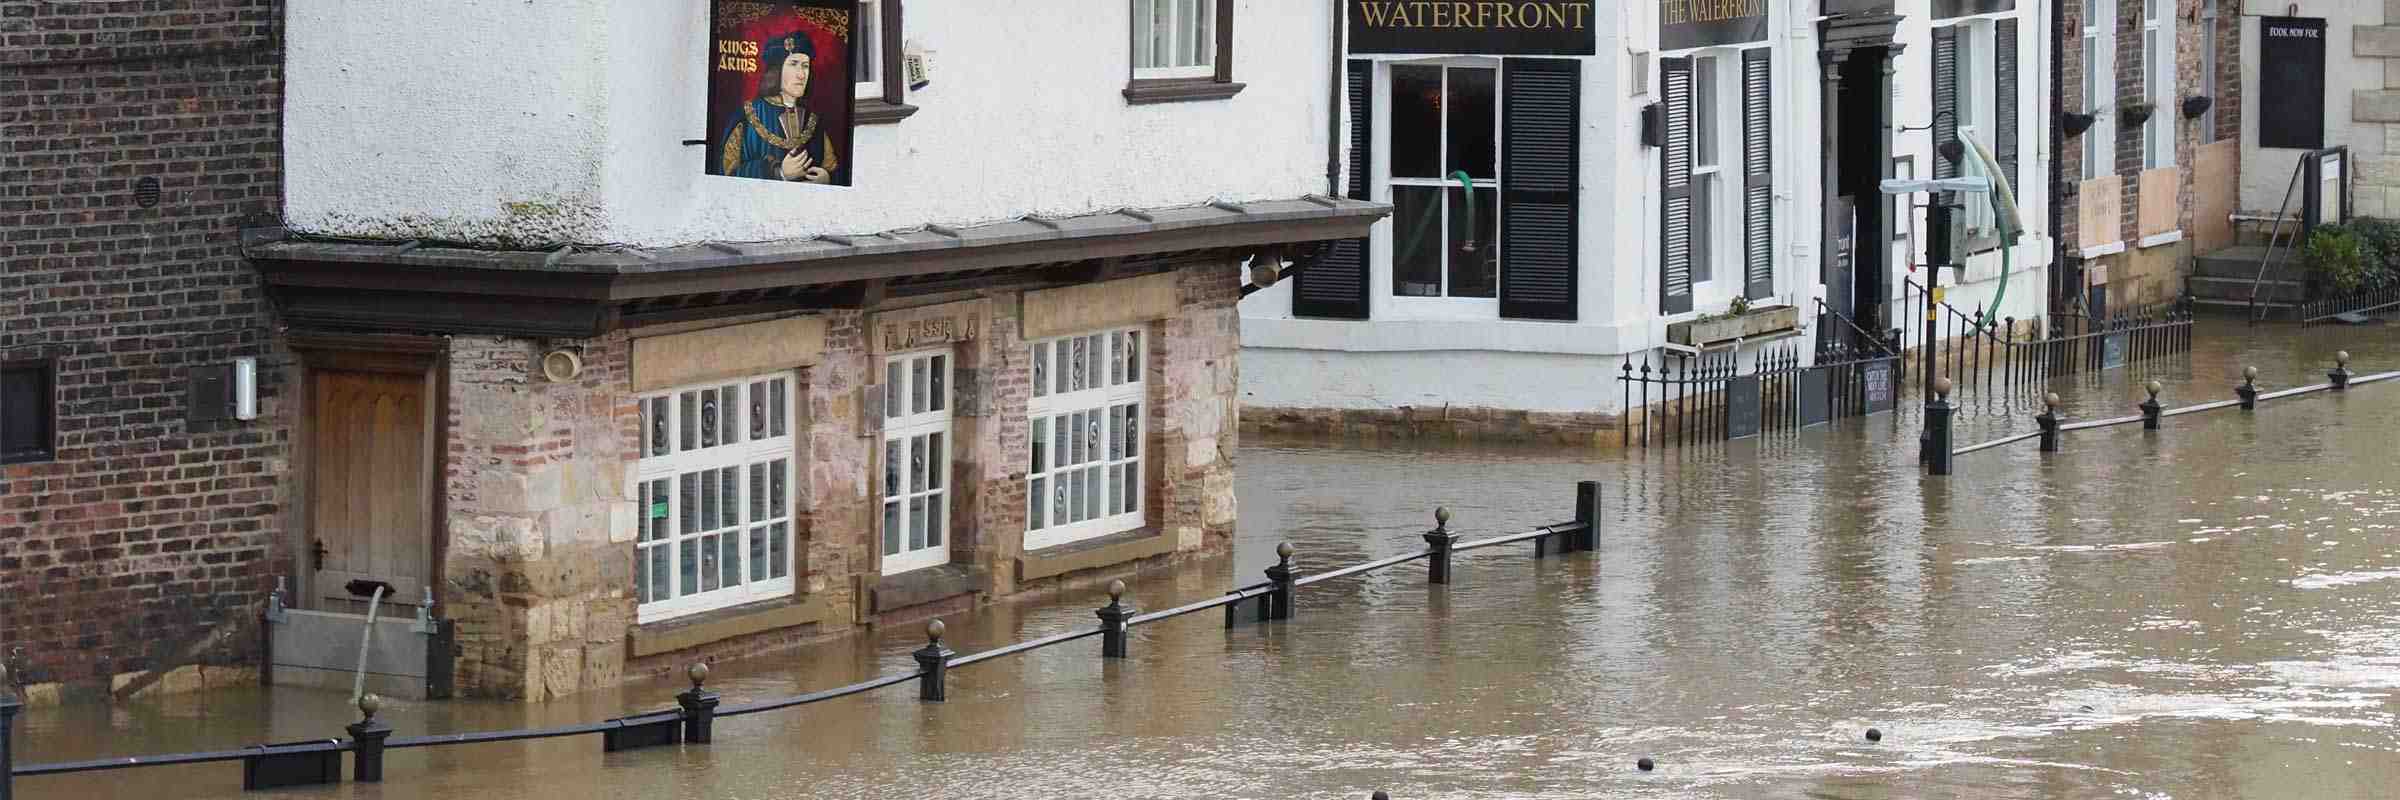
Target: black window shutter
pixel 1675 188
pixel 2004 137
pixel 1336 286
pixel 1539 120
pixel 1758 176
pixel 1945 99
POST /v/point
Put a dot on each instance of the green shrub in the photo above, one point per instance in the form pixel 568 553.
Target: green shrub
pixel 2380 241
pixel 2339 258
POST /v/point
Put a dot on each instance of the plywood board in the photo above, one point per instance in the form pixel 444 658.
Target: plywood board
pixel 2099 207
pixel 2216 187
pixel 2162 202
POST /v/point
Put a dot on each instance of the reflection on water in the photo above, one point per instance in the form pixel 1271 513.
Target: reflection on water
pixel 2212 611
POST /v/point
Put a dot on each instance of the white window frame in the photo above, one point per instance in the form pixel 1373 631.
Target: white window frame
pixel 758 451
pixel 1113 445
pixel 2100 88
pixel 2209 20
pixel 866 48
pixel 1191 31
pixel 1478 307
pixel 1978 114
pixel 1709 151
pixel 919 396
pixel 2158 54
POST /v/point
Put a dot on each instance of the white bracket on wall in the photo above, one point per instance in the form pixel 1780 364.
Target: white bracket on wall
pixel 425 625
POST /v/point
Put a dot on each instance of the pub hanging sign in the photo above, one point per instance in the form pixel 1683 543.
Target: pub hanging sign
pixel 1472 27
pixel 779 89
pixel 1685 24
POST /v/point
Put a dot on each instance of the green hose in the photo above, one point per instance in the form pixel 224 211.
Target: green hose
pixel 2003 198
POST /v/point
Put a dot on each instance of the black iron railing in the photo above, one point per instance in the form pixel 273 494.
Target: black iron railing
pixel 1693 398
pixel 693 719
pixel 2318 312
pixel 1989 361
pixel 2051 426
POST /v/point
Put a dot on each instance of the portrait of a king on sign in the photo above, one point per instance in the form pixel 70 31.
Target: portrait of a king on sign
pixel 780 87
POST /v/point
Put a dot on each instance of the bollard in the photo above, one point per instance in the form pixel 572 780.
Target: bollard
pixel 2340 376
pixel 2049 422
pixel 1279 603
pixel 1587 511
pixel 8 725
pixel 699 707
pixel 2150 407
pixel 1937 426
pixel 1440 539
pixel 366 741
pixel 934 660
pixel 2249 389
pixel 1112 621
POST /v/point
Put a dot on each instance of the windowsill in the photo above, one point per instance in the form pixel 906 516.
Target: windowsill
pixel 708 627
pixel 2098 250
pixel 2156 239
pixel 1094 553
pixel 875 111
pixel 1148 91
pixel 920 586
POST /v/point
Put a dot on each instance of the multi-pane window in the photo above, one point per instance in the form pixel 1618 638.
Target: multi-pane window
pixel 2158 80
pixel 27 422
pixel 2099 88
pixel 1445 183
pixel 916 461
pixel 1085 479
pixel 1708 170
pixel 715 492
pixel 1174 38
pixel 2208 69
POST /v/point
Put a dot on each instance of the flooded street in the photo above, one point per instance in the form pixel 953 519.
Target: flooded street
pixel 2212 611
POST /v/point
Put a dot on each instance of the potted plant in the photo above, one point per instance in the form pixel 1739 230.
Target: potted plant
pixel 2136 113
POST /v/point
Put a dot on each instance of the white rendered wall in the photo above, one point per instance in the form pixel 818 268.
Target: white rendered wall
pixel 2266 173
pixel 534 123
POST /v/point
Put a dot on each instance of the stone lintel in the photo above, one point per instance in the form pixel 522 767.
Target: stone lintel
pixel 1106 551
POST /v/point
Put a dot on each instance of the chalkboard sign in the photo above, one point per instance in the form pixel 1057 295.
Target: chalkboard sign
pixel 2291 58
pixel 1882 390
pixel 1742 412
pixel 1816 396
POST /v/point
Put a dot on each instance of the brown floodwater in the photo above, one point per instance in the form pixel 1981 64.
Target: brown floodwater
pixel 2208 612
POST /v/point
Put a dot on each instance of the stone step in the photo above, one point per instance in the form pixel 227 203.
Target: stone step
pixel 2203 304
pixel 2216 288
pixel 2242 262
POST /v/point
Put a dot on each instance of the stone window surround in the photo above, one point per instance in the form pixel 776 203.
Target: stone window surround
pixel 1100 399
pixel 905 425
pixel 672 469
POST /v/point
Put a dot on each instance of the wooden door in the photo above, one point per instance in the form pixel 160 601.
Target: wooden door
pixel 369 496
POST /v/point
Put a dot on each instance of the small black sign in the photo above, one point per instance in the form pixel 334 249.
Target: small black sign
pixel 1882 391
pixel 1816 396
pixel 1945 9
pixel 1685 24
pixel 2112 350
pixel 2291 58
pixel 1474 27
pixel 1742 408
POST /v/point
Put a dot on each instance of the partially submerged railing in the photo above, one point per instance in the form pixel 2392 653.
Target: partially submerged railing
pixel 1939 412
pixel 693 719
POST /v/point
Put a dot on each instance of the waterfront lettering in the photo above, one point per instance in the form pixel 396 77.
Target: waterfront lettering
pixel 1682 12
pixel 1570 15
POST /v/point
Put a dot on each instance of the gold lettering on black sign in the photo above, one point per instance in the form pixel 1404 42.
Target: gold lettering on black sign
pixel 1570 15
pixel 1679 12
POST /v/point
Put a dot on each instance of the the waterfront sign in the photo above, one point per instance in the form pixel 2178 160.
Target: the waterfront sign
pixel 1685 24
pixel 1473 27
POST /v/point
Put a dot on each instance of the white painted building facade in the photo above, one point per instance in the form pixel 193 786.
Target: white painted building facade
pixel 1412 347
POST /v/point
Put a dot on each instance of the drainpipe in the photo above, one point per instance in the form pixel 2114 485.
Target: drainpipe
pixel 1335 79
pixel 2058 140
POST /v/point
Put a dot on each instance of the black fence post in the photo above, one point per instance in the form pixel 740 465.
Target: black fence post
pixel 2340 376
pixel 8 726
pixel 1937 425
pixel 1112 621
pixel 1440 540
pixel 2249 389
pixel 2049 422
pixel 2150 407
pixel 699 707
pixel 934 660
pixel 1587 511
pixel 366 741
pixel 1279 603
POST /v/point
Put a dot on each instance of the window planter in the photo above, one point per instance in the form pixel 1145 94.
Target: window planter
pixel 1750 325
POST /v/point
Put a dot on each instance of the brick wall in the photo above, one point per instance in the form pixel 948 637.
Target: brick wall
pixel 145 531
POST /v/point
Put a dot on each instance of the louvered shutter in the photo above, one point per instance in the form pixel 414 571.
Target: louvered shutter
pixel 1539 114
pixel 1945 99
pixel 1675 188
pixel 1336 286
pixel 1758 175
pixel 2004 143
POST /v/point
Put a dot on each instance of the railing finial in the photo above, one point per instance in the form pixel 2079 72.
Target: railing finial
pixel 698 672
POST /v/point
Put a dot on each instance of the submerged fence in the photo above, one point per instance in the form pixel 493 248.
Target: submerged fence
pixel 2319 312
pixel 1710 397
pixel 693 720
pixel 1938 455
pixel 1991 360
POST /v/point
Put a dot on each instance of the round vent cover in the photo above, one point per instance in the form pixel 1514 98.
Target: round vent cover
pixel 145 192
